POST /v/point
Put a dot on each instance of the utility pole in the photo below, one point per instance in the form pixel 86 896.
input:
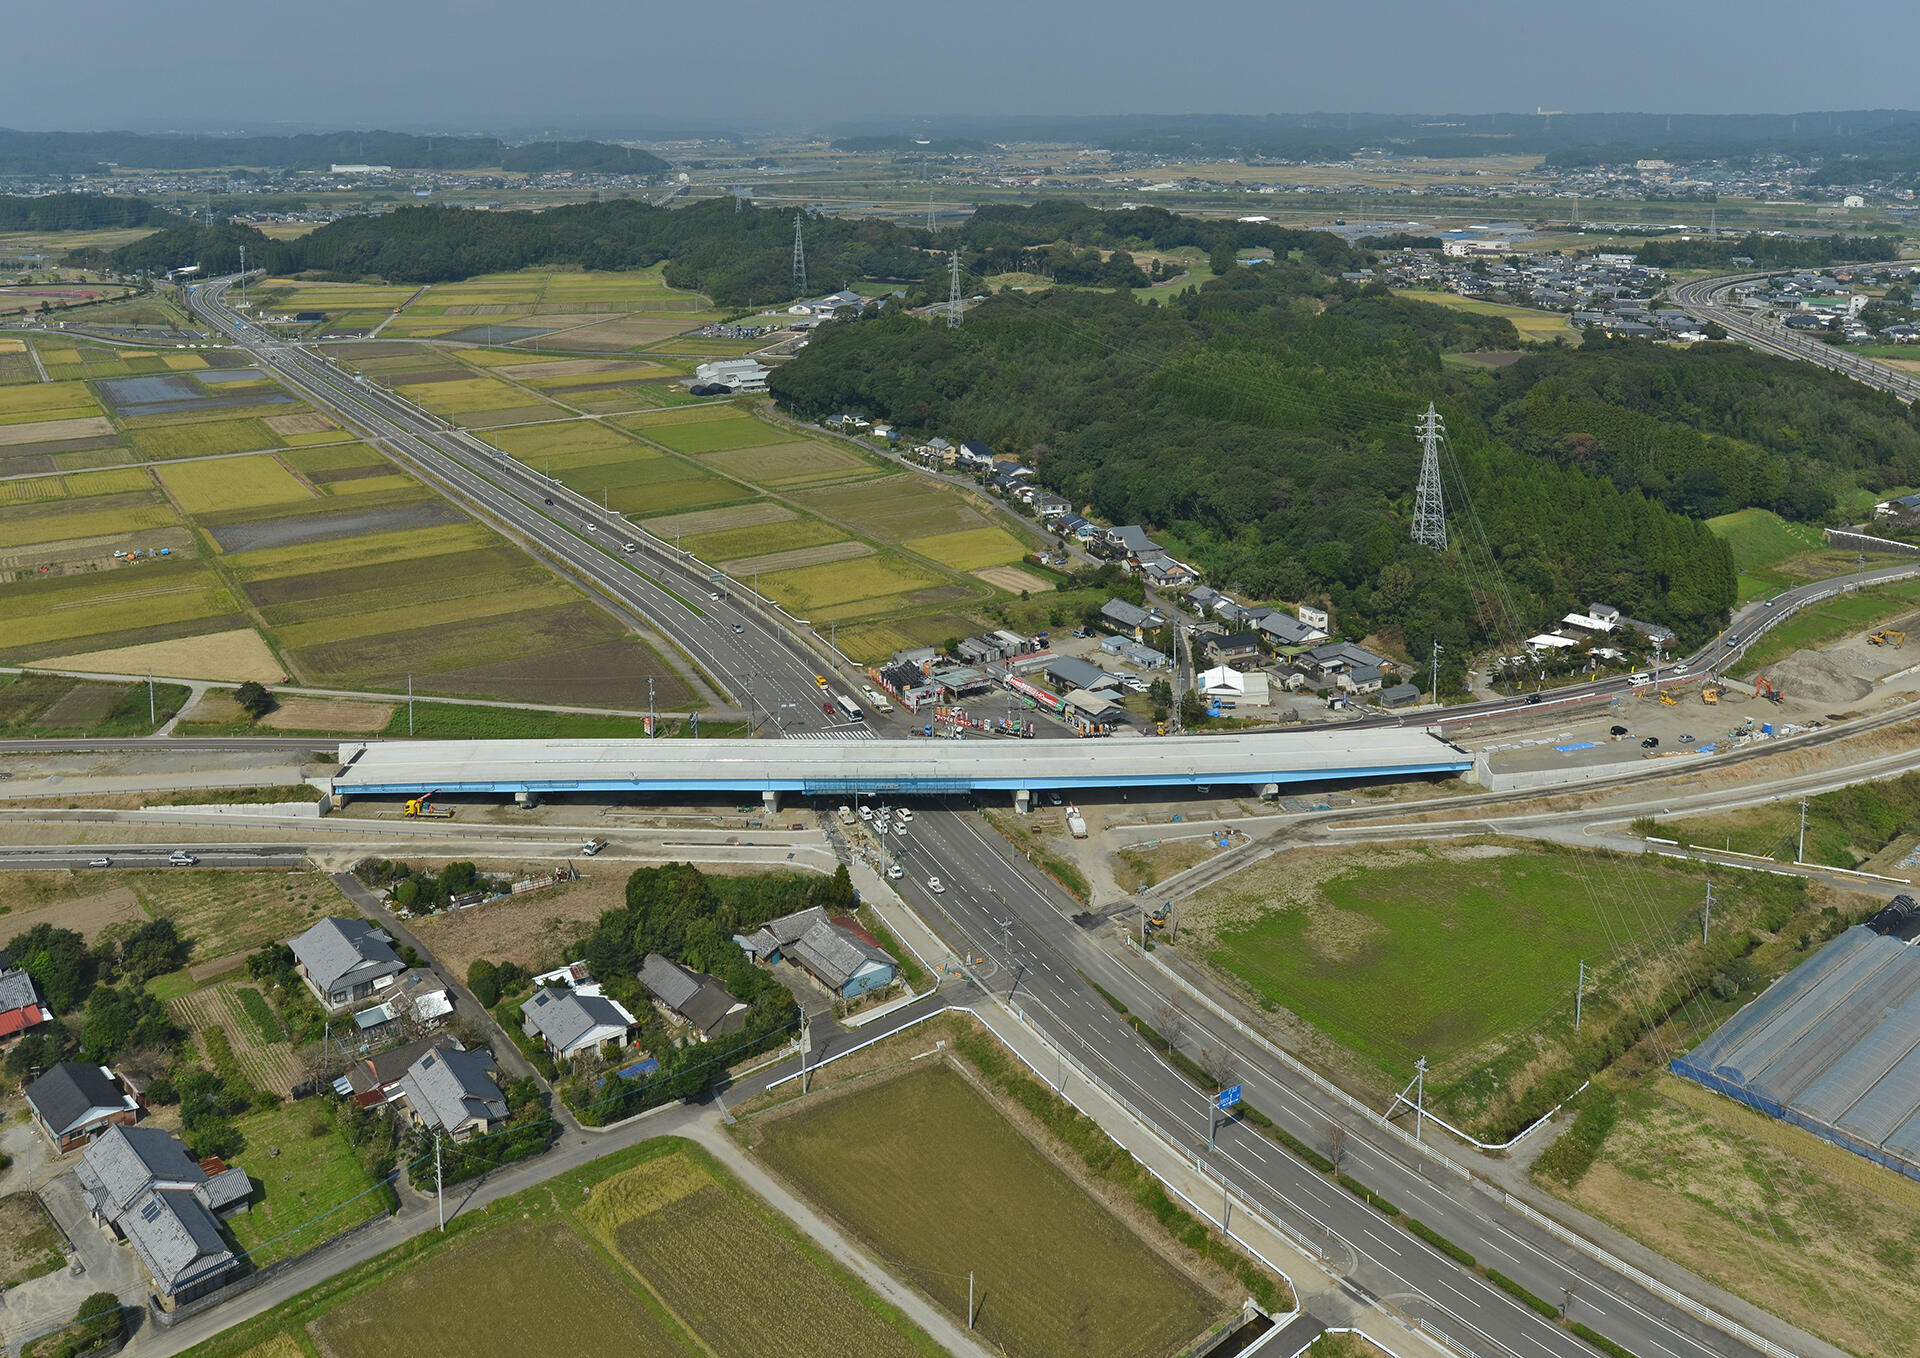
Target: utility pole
pixel 1579 994
pixel 650 712
pixel 409 703
pixel 954 309
pixel 930 226
pixel 799 256
pixel 806 1047
pixel 1420 1096
pixel 439 1187
pixel 969 1299
pixel 1436 671
pixel 153 718
pixel 1706 915
pixel 1429 508
pixel 1800 854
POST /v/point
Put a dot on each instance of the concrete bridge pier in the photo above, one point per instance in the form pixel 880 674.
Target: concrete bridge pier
pixel 1023 801
pixel 771 800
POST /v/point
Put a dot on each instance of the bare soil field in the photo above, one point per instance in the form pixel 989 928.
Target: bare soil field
pixel 234 656
pixel 87 916
pixel 271 533
pixel 719 520
pixel 800 556
pixel 299 424
pixel 47 431
pixel 268 1065
pixel 1013 580
pixel 529 929
pixel 328 714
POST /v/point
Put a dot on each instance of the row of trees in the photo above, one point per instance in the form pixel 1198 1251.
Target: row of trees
pixel 85 152
pixel 1766 251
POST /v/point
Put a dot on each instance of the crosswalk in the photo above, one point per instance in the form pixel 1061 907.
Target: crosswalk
pixel 834 733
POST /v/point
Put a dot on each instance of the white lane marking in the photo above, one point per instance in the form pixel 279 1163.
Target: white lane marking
pixel 1471 1301
pixel 1378 1241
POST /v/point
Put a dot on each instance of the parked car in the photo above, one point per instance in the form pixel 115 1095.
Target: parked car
pixel 866 813
pixel 1686 740
pixel 1650 743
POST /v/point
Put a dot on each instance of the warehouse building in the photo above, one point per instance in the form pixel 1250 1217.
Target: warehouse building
pixel 1834 1046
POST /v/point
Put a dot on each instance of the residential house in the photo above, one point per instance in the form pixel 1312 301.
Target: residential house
pixel 1327 663
pixel 1049 505
pixel 1129 619
pixel 374 1080
pixel 1233 648
pixel 448 1089
pixel 141 1185
pixel 842 957
pixel 20 1006
pixel 1359 679
pixel 1283 629
pixel 975 455
pixel 569 1023
pixel 1130 540
pixel 1202 598
pixel 692 997
pixel 414 995
pixel 345 960
pixel 1400 695
pixel 1606 613
pixel 73 1103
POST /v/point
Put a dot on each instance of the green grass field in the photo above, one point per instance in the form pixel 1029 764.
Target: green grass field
pixel 1532 324
pixel 1435 955
pixel 1761 538
pixel 799 463
pixel 42 705
pixel 313 1189
pixel 713 436
pixel 165 442
pixel 895 509
pixel 842 585
pixel 1055 1273
pixel 729 544
pixel 231 483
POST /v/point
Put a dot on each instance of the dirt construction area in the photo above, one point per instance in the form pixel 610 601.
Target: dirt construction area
pixel 532 929
pixel 1845 682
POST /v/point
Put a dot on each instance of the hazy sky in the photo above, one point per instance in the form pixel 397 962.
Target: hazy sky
pixel 495 64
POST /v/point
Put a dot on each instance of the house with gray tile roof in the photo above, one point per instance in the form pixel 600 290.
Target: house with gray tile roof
pixel 20 1007
pixel 570 1024
pixel 693 997
pixel 143 1186
pixel 841 961
pixel 451 1090
pixel 74 1102
pixel 345 960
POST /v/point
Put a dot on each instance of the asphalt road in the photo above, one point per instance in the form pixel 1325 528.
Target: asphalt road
pixel 1044 955
pixel 1706 298
pixel 77 859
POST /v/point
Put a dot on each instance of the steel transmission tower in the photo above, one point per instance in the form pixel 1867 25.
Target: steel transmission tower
pixel 953 296
pixel 799 256
pixel 1429 512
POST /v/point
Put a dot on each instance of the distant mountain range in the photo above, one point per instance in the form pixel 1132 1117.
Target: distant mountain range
pixel 30 153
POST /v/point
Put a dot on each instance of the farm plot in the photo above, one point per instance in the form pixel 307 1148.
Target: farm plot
pixel 317 464
pixel 712 436
pixel 234 656
pixel 692 1236
pixel 559 438
pixel 798 463
pixel 204 438
pixel 971 550
pixel 896 509
pixel 642 481
pixel 428 1310
pixel 82 904
pixel 44 401
pixel 54 705
pixel 864 585
pixel 160 601
pixel 714 521
pixel 797 557
pixel 55 431
pixel 222 912
pixel 267 1061
pixel 30 1244
pixel 729 544
pixel 695 414
pixel 231 483
pixel 1056 1272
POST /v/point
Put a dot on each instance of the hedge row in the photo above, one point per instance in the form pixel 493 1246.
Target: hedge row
pixel 1512 1288
pixel 1441 1243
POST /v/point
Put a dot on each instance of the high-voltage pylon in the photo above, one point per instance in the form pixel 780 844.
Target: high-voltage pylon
pixel 1429 511
pixel 799 256
pixel 953 295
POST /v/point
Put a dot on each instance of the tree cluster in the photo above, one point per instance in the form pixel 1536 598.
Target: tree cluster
pixel 1766 251
pixel 86 152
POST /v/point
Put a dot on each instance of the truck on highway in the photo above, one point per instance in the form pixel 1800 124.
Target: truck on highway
pixel 878 700
pixel 848 708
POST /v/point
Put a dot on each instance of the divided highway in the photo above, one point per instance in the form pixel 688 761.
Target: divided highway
pixel 1036 943
pixel 1706 298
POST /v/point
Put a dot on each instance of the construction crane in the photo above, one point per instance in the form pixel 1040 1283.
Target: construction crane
pixel 1763 689
pixel 1897 640
pixel 422 806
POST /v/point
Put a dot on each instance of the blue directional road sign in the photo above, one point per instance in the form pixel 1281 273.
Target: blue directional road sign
pixel 1228 1098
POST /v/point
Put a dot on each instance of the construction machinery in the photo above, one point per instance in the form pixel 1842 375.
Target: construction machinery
pixel 1889 637
pixel 1710 692
pixel 422 807
pixel 1763 689
pixel 1668 700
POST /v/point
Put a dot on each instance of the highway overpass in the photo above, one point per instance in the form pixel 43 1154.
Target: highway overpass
pixel 769 768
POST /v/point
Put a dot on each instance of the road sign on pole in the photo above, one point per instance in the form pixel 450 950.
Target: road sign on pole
pixel 1229 1098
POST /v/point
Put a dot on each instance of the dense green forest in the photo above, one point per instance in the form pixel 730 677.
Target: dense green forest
pixel 739 258
pixel 88 152
pixel 1262 424
pixel 1766 251
pixel 79 212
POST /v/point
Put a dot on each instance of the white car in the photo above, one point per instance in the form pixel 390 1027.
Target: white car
pixel 866 813
pixel 936 886
pixel 1678 669
pixel 903 815
pixel 101 862
pixel 180 858
pixel 895 871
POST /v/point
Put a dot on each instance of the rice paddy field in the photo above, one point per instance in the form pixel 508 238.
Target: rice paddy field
pixel 606 312
pixel 1055 1272
pixel 654 1252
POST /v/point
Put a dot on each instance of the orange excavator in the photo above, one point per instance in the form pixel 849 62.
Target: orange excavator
pixel 1764 689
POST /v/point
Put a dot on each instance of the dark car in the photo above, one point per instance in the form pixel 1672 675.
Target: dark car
pixel 827 708
pixel 549 499
pixel 1618 731
pixel 1532 698
pixel 1650 743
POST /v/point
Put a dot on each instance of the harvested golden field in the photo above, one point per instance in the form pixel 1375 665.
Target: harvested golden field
pixel 231 483
pixel 234 657
pixel 328 714
pixel 717 521
pixel 969 550
pixel 1014 580
pixel 50 431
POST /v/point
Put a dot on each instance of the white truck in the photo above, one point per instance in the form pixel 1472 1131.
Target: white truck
pixel 845 813
pixel 1076 823
pixel 877 699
